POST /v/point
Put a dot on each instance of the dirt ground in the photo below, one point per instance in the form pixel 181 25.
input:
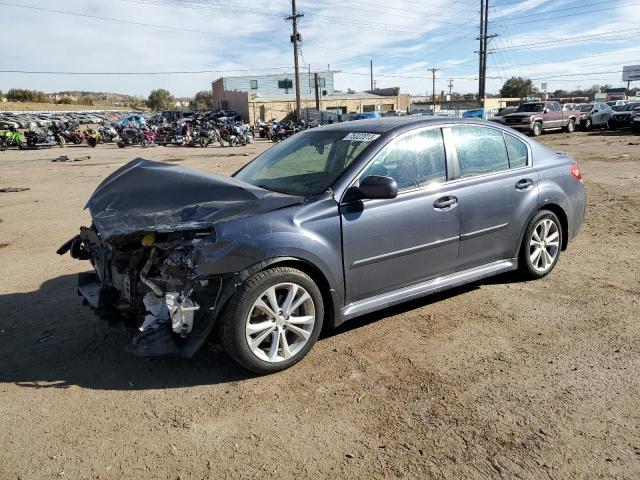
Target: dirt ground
pixel 500 379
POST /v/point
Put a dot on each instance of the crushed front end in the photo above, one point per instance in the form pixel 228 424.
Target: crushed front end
pixel 155 252
pixel 150 280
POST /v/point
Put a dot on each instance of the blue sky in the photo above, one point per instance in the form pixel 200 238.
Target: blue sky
pixel 564 43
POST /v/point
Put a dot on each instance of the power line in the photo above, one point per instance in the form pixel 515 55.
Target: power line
pixel 185 72
pixel 577 39
pixel 110 19
pixel 553 17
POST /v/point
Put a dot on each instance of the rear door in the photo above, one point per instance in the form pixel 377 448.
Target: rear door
pixel 496 188
pixel 391 243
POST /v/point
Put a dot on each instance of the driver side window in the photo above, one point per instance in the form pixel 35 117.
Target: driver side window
pixel 413 160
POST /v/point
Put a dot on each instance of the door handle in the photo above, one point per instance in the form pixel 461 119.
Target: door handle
pixel 524 183
pixel 444 203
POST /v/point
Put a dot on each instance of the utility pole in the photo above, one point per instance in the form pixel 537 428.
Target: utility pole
pixel 481 52
pixel 316 82
pixel 484 40
pixel 371 72
pixel 433 88
pixel 450 85
pixel 295 39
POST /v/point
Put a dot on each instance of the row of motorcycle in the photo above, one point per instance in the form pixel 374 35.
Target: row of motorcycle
pixel 198 133
pixel 275 131
pixel 59 134
pixel 202 132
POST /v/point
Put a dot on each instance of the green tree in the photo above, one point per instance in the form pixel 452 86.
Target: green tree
pixel 22 95
pixel 65 101
pixel 517 87
pixel 202 101
pixel 161 99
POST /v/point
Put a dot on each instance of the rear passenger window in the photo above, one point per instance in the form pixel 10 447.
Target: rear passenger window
pixel 517 151
pixel 413 160
pixel 480 150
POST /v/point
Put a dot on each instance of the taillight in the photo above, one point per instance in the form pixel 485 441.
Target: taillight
pixel 575 171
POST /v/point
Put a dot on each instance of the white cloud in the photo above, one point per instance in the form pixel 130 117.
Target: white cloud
pixel 403 38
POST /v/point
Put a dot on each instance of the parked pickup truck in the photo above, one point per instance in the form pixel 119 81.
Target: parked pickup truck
pixel 537 117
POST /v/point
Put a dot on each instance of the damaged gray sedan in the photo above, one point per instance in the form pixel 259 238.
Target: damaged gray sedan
pixel 331 224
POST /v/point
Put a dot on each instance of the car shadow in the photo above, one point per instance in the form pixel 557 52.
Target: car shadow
pixel 48 339
pixel 620 132
pixel 504 278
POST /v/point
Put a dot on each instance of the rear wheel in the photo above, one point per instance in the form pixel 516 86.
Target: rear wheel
pixel 273 320
pixel 541 245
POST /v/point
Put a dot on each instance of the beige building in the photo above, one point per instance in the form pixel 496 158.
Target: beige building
pixel 266 106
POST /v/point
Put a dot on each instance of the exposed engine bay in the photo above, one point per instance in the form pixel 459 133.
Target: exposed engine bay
pixel 148 279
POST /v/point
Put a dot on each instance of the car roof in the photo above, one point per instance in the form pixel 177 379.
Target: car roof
pixel 389 124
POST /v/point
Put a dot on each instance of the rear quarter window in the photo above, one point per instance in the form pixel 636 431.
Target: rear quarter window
pixel 517 151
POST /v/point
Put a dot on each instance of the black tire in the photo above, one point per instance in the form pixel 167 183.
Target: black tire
pixel 3 145
pixel 587 124
pixel 536 131
pixel 233 318
pixel 525 266
pixel 121 145
pixel 571 126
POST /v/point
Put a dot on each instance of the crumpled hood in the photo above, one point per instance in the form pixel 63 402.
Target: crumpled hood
pixel 148 196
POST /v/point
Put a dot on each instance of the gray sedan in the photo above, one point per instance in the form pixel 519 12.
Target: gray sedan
pixel 331 224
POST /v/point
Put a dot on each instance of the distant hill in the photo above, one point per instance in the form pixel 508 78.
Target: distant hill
pixel 95 98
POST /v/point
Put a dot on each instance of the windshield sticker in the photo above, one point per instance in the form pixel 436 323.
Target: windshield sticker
pixel 361 137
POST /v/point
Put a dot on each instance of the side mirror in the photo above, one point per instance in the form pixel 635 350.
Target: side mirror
pixel 546 110
pixel 376 186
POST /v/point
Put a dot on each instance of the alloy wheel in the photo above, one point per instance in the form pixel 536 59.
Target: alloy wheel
pixel 544 245
pixel 280 322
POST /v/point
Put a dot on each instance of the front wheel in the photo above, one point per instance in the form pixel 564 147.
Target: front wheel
pixel 541 245
pixel 273 320
pixel 537 129
pixel 571 126
pixel 587 124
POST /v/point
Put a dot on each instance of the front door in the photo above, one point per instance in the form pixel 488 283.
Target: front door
pixel 391 243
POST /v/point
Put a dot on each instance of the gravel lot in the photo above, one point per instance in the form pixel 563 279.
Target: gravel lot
pixel 500 379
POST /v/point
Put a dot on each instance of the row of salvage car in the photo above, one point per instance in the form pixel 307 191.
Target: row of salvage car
pixel 534 118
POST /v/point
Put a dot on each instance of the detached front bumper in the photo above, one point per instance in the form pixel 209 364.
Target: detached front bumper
pixel 90 288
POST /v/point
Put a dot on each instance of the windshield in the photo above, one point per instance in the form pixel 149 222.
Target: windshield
pixel 586 107
pixel 307 163
pixel 531 107
pixel 625 108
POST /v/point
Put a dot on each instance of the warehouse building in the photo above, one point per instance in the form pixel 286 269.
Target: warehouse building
pixel 267 97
